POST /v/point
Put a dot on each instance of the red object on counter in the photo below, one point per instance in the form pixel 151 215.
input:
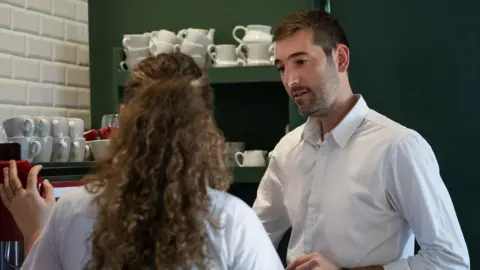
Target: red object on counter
pixel 8 228
pixel 98 134
pixel 90 135
pixel 106 131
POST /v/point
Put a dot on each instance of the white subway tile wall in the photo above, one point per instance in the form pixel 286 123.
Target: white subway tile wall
pixel 44 58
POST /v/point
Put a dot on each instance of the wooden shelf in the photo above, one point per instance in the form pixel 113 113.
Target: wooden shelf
pixel 228 75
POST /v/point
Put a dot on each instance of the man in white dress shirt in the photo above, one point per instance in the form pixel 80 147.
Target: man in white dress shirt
pixel 356 187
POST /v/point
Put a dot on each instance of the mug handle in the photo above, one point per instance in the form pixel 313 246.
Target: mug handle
pixel 88 152
pixel 176 48
pixel 63 152
pixel 35 148
pixel 211 51
pixel 125 42
pixel 182 34
pixel 240 54
pixel 238 154
pixel 123 66
pixel 74 146
pixel 28 124
pixel 235 29
pixel 153 49
pixel 271 51
pixel 41 126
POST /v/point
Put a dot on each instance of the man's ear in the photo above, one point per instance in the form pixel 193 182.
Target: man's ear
pixel 343 57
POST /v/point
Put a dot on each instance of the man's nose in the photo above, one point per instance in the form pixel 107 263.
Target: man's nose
pixel 292 79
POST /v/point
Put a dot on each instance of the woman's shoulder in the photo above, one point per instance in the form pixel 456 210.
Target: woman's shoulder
pixel 231 208
pixel 75 201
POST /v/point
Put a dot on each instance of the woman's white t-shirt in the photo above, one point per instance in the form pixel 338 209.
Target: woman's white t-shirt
pixel 240 243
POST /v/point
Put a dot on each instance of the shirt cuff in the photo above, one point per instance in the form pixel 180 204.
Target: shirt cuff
pixel 397 265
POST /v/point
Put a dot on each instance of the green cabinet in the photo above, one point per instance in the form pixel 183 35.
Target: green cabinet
pixel 417 63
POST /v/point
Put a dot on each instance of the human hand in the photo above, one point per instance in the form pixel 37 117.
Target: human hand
pixel 313 261
pixel 27 207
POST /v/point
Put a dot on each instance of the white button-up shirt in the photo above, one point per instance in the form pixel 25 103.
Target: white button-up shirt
pixel 361 196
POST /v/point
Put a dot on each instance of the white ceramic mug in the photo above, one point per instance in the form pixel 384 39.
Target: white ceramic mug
pixel 185 32
pixel 161 47
pixel 98 149
pixel 198 37
pixel 19 126
pixel 77 150
pixel 61 149
pixel 45 153
pixel 257 53
pixel 225 55
pixel 137 53
pixel 191 48
pixel 59 126
pixel 76 127
pixel 164 36
pixel 254 33
pixel 135 41
pixel 251 158
pixel 42 126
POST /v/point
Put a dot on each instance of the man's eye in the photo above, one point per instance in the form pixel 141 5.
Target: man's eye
pixel 280 69
pixel 300 61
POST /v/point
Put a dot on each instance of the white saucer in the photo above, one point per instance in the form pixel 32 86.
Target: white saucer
pixel 226 64
pixel 259 63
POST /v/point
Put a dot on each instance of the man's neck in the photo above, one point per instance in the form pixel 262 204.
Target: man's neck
pixel 338 111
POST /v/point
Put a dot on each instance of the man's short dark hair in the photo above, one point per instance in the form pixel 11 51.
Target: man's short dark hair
pixel 327 31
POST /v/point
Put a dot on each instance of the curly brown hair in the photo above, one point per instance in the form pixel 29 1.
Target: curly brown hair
pixel 160 67
pixel 151 189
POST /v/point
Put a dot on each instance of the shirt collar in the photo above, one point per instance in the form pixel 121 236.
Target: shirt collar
pixel 344 130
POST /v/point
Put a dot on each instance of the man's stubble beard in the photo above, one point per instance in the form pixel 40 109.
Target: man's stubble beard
pixel 329 90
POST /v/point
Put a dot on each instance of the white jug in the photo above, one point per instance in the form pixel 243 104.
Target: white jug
pixel 254 33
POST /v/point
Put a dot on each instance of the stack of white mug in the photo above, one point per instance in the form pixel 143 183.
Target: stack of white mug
pixel 191 41
pixel 256 47
pixel 163 41
pixel 135 48
pixel 47 139
pixel 195 42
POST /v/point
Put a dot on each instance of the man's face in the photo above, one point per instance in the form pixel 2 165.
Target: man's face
pixel 310 78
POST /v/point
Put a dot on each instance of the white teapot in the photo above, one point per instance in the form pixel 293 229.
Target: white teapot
pixel 254 33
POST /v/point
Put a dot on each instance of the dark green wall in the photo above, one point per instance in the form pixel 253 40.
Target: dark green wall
pixel 418 63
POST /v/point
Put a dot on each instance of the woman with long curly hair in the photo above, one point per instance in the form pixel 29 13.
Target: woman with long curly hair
pixel 158 200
